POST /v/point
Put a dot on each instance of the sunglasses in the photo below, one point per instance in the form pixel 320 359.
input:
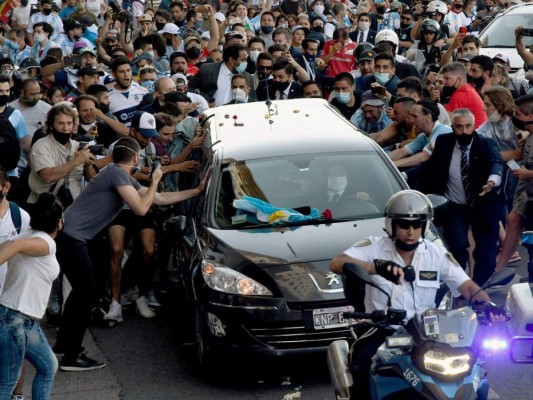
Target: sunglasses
pixel 264 68
pixel 144 71
pixel 405 18
pixel 406 224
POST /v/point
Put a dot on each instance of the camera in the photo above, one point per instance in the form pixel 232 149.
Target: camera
pixel 97 149
pixel 122 15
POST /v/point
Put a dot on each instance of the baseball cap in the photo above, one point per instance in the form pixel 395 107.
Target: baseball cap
pixel 370 99
pixel 89 70
pixel 501 57
pixel 179 77
pixel 111 34
pixel 72 24
pixel 175 97
pixel 145 17
pixel 220 17
pixel 190 39
pixel 80 44
pixel 87 50
pixel 367 56
pixel 170 28
pixel 234 34
pixel 145 123
pixel 205 36
pixel 28 63
pixel 466 57
pixel 143 56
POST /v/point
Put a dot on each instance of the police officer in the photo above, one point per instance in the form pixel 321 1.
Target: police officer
pixel 407 217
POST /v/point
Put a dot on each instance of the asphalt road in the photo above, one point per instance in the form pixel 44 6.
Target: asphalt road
pixel 154 359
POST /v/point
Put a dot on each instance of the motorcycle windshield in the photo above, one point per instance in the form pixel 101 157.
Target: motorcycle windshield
pixel 456 328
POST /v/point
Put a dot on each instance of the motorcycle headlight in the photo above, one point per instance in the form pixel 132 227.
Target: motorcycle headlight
pixel 227 280
pixel 440 363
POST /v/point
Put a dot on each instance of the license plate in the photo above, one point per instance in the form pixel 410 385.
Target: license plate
pixel 328 318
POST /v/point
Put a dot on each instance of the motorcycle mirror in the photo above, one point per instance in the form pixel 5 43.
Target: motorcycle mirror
pixel 352 271
pixel 502 277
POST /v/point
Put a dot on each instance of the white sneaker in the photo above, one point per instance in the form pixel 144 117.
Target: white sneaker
pixel 152 300
pixel 125 300
pixel 142 307
pixel 115 313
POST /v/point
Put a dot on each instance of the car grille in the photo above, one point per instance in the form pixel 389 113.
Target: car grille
pixel 297 336
pixel 316 305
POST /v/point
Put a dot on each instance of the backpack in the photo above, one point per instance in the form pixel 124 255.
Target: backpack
pixel 9 145
pixel 16 217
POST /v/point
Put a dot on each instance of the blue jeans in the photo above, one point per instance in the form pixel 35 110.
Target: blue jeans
pixel 22 337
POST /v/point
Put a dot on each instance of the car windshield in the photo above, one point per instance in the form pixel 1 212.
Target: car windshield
pixel 351 185
pixel 501 32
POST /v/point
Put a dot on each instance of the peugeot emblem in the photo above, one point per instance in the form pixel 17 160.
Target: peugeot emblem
pixel 333 278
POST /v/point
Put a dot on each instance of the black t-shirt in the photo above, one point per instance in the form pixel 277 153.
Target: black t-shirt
pixel 344 109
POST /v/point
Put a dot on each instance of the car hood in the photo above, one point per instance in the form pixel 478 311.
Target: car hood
pixel 294 259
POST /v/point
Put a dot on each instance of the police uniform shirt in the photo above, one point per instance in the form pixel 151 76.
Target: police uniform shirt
pixel 432 263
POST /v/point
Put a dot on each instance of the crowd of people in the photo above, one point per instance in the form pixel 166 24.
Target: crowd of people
pixel 101 105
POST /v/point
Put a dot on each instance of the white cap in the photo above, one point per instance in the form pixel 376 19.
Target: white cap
pixel 170 28
pixel 145 123
pixel 182 77
pixel 206 35
pixel 219 16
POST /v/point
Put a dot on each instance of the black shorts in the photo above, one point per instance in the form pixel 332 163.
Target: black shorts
pixel 132 222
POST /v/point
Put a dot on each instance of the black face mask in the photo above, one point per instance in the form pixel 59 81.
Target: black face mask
pixel 104 108
pixel 448 91
pixel 193 52
pixel 263 75
pixel 309 57
pixel 24 3
pixel 489 8
pixel 319 29
pixel 405 26
pixel 519 124
pixel 380 10
pixel 159 25
pixel 404 246
pixel 47 11
pixel 76 38
pixel 267 29
pixel 476 82
pixel 62 138
pixel 458 6
pixel 281 86
pixel 464 140
pixel 4 98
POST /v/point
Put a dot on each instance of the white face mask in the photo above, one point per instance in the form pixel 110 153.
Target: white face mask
pixel 151 53
pixel 39 37
pixel 254 54
pixel 240 95
pixel 495 117
pixel 319 9
pixel 364 26
pixel 337 183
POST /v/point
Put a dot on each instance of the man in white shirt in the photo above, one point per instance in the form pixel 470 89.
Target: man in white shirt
pixel 20 16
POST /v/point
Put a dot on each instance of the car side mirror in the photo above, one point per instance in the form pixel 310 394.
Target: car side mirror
pixel 440 206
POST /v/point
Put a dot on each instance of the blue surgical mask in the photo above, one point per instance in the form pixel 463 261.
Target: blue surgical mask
pixel 343 97
pixel 381 78
pixel 148 85
pixel 241 67
pixel 12 45
pixel 198 24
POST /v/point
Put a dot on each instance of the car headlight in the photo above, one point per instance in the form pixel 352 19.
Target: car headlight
pixel 227 280
pixel 443 364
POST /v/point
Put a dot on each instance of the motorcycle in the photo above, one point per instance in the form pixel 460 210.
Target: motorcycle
pixel 432 356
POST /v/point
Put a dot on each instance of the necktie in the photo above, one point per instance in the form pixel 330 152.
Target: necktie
pixel 361 36
pixel 281 96
pixel 464 176
pixel 335 198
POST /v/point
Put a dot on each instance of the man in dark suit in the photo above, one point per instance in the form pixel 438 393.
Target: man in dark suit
pixel 467 169
pixel 207 80
pixel 363 34
pixel 283 86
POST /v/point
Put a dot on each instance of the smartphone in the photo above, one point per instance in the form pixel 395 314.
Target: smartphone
pixel 526 32
pixel 379 90
pixel 462 30
pixel 72 60
pixel 155 164
pixel 512 164
pixel 83 145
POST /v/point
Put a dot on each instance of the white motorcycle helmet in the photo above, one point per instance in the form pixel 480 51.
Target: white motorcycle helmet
pixel 410 205
pixel 437 6
pixel 387 35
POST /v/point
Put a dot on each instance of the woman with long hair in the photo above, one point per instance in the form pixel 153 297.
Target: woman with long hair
pixel 32 267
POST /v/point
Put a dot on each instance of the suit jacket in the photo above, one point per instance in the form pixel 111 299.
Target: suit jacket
pixel 370 38
pixel 405 69
pixel 295 91
pixel 205 81
pixel 484 160
pixel 366 81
